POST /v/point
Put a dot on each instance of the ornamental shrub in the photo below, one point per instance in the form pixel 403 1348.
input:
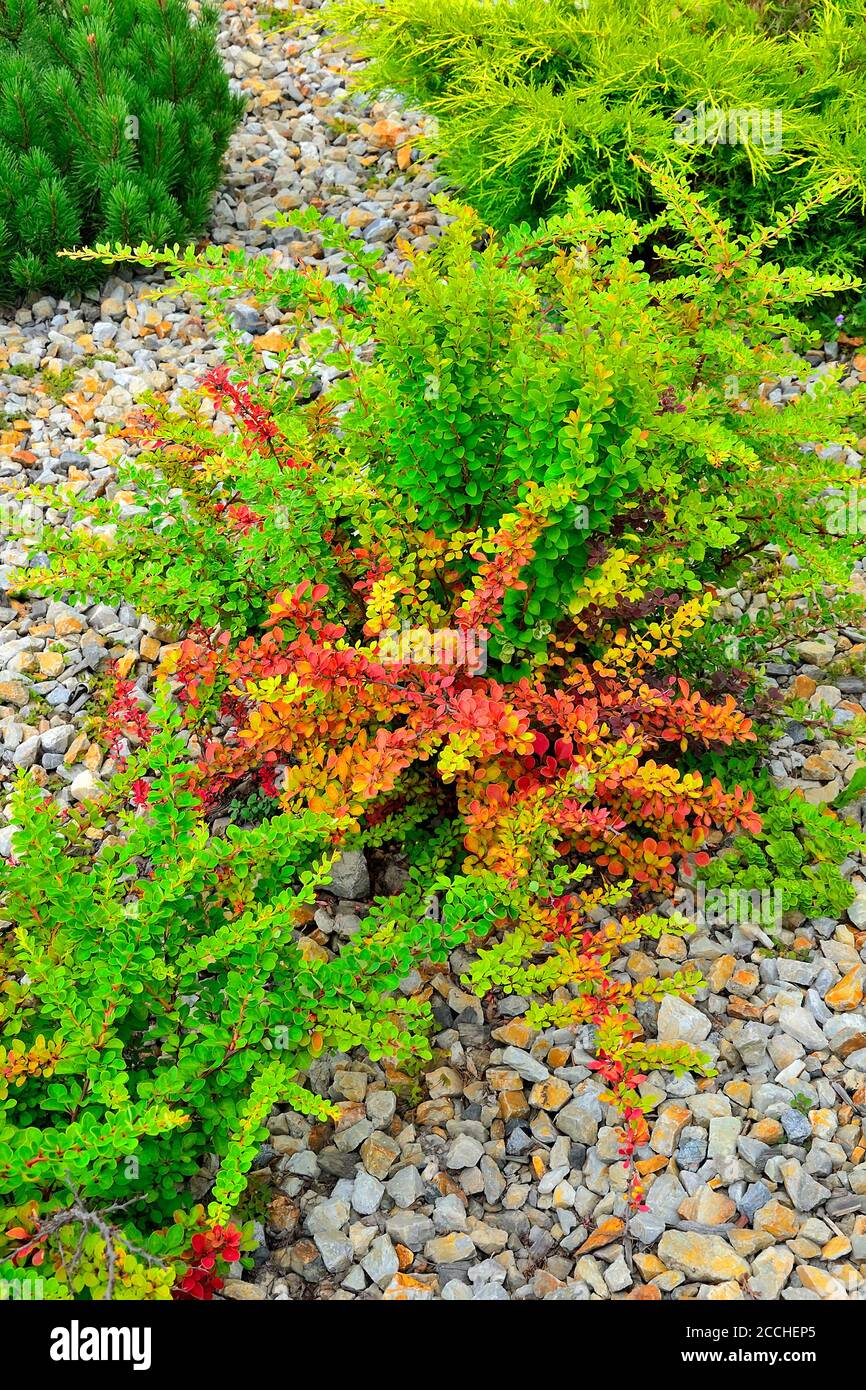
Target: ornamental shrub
pixel 446 602
pixel 160 996
pixel 533 98
pixel 114 118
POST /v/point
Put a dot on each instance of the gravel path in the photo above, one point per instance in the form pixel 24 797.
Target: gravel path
pixel 495 1174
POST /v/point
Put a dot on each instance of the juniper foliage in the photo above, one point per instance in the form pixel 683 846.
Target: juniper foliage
pixel 533 97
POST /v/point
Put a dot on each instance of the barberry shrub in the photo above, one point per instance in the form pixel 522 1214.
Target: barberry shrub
pixel 449 598
pixel 160 997
pixel 532 99
pixel 114 118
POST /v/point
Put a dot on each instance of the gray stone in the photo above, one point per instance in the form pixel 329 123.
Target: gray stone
pixel 349 876
pixel 578 1292
pixel 724 1133
pixel 816 653
pixel 617 1276
pixel 796 1125
pixel 804 1191
pixel 798 1023
pixel 527 1067
pixel 857 910
pixel 494 1182
pixel 681 1022
pixel 27 751
pixel 842 1029
pixel 406 1186
pixel 57 740
pixel 355 1280
pixel 101 617
pixel 751 1043
pixel 303 1165
pixel 326 1216
pixel 335 1250
pixel 410 1228
pixel 339 1165
pixel 449 1214
pixel 665 1197
pixel 367 1193
pixel 519 1143
pixel 7 835
pixel 350 1139
pixel 381 1262
pixel 797 972
pixel 380 1107
pixel 463 1152
pixel 647 1226
pixel 382 229
pixel 580 1119
pixel 756 1195
pixel 487 1272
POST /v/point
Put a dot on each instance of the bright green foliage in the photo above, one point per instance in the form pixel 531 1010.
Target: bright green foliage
pixel 796 855
pixel 534 98
pixel 114 117
pixel 160 996
pixel 547 360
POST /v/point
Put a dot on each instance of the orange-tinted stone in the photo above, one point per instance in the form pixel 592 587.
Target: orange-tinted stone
pixel 404 1288
pixel 740 1092
pixel 651 1165
pixel 515 1033
pixel 551 1094
pixel 668 1128
pixel 513 1105
pixel 779 1220
pixel 768 1132
pixel 605 1234
pixel 848 993
pixel 649 1264
pixel 720 973
pixel 742 1008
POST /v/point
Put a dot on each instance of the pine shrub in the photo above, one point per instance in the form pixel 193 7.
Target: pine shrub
pixel 114 118
pixel 533 97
